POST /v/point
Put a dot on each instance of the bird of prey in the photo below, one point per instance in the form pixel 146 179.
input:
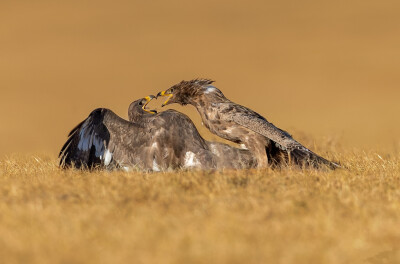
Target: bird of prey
pixel 178 126
pixel 149 141
pixel 242 125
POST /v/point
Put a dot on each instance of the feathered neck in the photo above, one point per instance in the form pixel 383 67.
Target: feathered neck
pixel 207 95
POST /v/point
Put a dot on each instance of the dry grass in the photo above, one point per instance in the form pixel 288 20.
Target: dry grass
pixel 289 216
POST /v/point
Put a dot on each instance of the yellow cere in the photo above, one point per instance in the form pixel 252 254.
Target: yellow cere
pixel 148 99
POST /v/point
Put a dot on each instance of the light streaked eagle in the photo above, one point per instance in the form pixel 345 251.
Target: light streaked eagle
pixel 149 141
pixel 242 125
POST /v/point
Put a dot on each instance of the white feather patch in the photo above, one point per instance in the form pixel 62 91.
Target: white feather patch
pixel 107 157
pixel 155 166
pixel 190 160
pixel 243 146
pixel 210 89
pixel 214 150
pixel 154 145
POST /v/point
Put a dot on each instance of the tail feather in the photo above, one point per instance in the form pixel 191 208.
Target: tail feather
pixel 305 157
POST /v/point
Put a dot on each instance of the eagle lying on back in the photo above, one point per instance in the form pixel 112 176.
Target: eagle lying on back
pixel 149 141
pixel 269 144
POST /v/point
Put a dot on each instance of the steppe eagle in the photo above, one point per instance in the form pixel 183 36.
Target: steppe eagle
pixel 242 125
pixel 179 129
pixel 149 141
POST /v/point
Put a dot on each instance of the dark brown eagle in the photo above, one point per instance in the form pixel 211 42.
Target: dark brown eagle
pixel 242 125
pixel 179 129
pixel 149 141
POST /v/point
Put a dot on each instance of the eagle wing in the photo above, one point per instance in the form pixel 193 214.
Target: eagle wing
pixel 281 138
pixel 87 143
pixel 260 125
pixel 105 140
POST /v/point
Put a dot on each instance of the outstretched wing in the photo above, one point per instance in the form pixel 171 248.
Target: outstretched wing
pixel 260 125
pixel 282 139
pixel 87 143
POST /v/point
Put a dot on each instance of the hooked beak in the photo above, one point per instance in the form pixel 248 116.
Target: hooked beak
pixel 148 99
pixel 164 95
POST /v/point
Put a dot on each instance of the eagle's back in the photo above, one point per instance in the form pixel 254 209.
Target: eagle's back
pixel 178 138
pixel 240 124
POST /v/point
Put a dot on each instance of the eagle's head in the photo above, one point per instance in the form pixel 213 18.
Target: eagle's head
pixel 138 109
pixel 186 92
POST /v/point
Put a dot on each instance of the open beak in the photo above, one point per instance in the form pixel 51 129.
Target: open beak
pixel 164 95
pixel 148 99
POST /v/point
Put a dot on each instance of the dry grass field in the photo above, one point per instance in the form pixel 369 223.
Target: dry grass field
pixel 326 71
pixel 288 216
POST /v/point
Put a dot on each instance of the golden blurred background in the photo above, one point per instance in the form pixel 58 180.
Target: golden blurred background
pixel 328 69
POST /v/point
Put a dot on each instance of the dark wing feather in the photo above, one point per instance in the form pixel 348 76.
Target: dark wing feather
pixel 87 142
pixel 282 139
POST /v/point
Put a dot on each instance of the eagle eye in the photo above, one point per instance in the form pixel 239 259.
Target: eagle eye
pixel 171 90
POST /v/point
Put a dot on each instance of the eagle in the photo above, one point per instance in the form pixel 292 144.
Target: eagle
pixel 179 129
pixel 269 144
pixel 148 141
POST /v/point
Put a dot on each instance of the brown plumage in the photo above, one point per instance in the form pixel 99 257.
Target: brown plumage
pixel 149 141
pixel 242 125
pixel 180 130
